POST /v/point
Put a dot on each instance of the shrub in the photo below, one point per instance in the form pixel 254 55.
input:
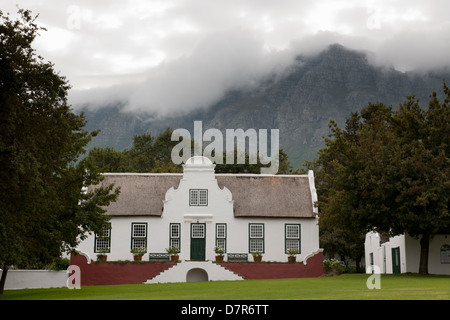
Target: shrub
pixel 333 266
pixel 60 264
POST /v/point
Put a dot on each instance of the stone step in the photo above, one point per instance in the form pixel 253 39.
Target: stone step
pixel 192 271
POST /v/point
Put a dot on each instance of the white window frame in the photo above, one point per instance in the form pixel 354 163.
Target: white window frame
pixel 256 237
pixel 139 235
pixel 103 241
pixel 175 235
pixel 292 236
pixel 221 236
pixel 198 197
pixel 198 230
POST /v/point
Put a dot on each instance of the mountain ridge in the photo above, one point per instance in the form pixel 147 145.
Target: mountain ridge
pixel 316 89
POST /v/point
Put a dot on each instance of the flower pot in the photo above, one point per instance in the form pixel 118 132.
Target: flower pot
pixel 102 257
pixel 292 259
pixel 137 258
pixel 219 258
pixel 174 257
pixel 257 259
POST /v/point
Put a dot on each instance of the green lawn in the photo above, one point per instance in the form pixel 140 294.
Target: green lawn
pixel 343 287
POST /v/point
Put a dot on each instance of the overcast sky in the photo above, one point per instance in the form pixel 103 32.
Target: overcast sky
pixel 176 55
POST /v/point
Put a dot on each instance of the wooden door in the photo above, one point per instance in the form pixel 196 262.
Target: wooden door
pixel 198 241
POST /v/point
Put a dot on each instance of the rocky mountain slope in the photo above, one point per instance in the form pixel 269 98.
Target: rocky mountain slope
pixel 316 89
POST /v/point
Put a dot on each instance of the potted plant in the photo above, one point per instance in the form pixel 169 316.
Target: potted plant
pixel 138 253
pixel 257 256
pixel 173 251
pixel 219 253
pixel 291 255
pixel 102 254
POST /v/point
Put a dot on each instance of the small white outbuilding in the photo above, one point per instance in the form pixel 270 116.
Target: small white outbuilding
pixel 401 254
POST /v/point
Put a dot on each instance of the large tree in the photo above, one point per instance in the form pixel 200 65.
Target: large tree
pixel 341 229
pixel 43 208
pixel 420 170
pixel 387 171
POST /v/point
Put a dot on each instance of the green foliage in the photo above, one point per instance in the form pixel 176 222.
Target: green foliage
pixel 292 252
pixel 150 154
pixel 333 266
pixel 139 251
pixel 256 254
pixel 219 251
pixel 284 166
pixel 43 209
pixel 173 250
pixel 385 171
pixel 60 264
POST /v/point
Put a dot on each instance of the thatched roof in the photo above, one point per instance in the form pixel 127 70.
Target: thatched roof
pixel 269 196
pixel 140 194
pixel 253 195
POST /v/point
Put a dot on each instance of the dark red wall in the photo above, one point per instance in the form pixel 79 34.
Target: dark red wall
pixel 107 273
pixel 266 270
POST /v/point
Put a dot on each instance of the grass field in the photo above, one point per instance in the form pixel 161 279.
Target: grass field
pixel 343 287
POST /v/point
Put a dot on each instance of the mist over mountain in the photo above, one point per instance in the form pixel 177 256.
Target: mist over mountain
pixel 311 92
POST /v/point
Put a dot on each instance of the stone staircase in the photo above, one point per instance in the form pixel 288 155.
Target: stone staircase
pixel 192 271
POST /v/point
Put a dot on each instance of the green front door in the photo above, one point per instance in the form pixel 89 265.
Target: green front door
pixel 396 260
pixel 198 241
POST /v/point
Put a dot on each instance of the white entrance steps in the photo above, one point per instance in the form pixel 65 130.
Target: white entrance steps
pixel 191 271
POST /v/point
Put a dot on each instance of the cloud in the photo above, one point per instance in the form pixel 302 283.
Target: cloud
pixel 223 61
pixel 169 56
pixel 233 59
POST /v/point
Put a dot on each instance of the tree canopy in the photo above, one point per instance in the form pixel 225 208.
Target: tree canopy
pixel 386 171
pixel 152 154
pixel 43 209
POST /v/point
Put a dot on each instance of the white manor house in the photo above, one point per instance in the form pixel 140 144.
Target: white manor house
pixel 199 210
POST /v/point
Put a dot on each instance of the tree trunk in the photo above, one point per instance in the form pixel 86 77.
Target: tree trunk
pixel 424 249
pixel 358 265
pixel 3 278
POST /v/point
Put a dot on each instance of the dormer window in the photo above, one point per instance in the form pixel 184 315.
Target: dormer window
pixel 198 197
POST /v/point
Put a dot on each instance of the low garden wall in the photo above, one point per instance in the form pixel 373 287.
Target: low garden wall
pixel 115 272
pixel 33 279
pixel 274 270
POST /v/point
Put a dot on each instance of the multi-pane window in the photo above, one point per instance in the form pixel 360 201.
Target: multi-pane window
pixel 138 235
pixel 256 237
pixel 103 240
pixel 292 237
pixel 175 232
pixel 198 230
pixel 198 197
pixel 221 236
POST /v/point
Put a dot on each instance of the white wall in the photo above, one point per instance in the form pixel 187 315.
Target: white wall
pixel 32 279
pixel 409 253
pixel 382 254
pixel 237 236
pixel 434 255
